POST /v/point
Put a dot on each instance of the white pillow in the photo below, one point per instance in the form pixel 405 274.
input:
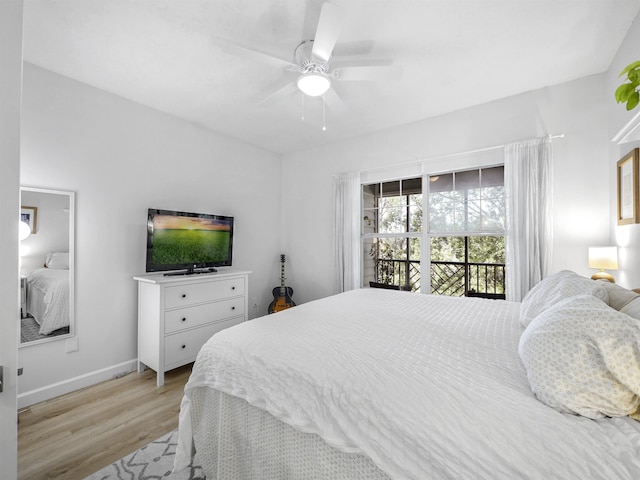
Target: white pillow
pixel 632 308
pixel 554 288
pixel 618 296
pixel 57 260
pixel 583 357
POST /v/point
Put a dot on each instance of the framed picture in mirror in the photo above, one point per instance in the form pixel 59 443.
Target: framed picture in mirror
pixel 29 215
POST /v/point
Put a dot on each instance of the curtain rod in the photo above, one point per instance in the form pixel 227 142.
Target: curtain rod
pixel 479 150
pixel 449 155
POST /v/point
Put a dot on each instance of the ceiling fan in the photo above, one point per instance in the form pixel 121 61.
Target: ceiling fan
pixel 312 61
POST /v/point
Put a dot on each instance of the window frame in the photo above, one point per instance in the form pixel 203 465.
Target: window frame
pixel 372 236
pixel 425 235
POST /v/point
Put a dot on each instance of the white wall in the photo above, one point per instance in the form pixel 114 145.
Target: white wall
pixel 627 237
pixel 580 165
pixel 122 158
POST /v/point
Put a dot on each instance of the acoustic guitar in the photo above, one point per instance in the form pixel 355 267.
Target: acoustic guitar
pixel 282 294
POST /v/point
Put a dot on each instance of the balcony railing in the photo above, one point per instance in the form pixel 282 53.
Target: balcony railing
pixel 403 273
pixel 447 278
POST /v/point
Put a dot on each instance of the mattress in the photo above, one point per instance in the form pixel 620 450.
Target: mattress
pixel 422 385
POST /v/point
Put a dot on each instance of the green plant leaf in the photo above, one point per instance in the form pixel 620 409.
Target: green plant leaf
pixel 631 66
pixel 624 91
pixel 633 101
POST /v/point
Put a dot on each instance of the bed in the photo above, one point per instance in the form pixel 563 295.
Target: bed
pixel 382 384
pixel 48 295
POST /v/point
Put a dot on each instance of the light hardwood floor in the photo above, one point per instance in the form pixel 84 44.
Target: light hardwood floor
pixel 73 436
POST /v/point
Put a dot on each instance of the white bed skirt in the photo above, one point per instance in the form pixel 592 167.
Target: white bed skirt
pixel 248 443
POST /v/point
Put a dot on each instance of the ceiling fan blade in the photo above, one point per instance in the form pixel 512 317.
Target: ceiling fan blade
pixel 383 73
pixel 355 48
pixel 257 55
pixel 333 101
pixel 332 19
pixel 286 90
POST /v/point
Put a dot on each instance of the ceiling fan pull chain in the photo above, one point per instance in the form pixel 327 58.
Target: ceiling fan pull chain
pixel 302 107
pixel 324 115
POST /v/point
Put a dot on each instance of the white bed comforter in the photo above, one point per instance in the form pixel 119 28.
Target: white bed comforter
pixel 48 298
pixel 428 387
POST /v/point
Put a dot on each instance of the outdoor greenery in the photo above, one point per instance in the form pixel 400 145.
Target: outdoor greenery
pixel 486 254
pixel 628 91
pixel 399 214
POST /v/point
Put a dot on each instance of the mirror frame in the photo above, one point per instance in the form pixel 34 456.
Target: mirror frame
pixel 72 264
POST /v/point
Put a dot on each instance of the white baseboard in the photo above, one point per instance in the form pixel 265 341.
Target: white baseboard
pixel 60 388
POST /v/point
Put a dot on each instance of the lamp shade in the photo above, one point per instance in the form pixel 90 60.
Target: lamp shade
pixel 313 84
pixel 24 230
pixel 603 258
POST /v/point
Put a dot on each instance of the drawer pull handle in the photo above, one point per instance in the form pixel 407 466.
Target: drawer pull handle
pixel 184 346
pixel 233 288
pixel 184 295
pixel 233 308
pixel 184 319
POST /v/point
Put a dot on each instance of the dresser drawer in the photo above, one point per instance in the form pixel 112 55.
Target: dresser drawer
pixel 183 347
pixel 194 293
pixel 189 317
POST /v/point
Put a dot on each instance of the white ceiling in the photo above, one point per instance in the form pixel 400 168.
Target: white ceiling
pixel 171 55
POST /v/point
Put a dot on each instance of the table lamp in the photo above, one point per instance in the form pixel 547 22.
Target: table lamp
pixel 603 258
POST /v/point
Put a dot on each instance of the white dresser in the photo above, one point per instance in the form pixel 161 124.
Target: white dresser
pixel 178 314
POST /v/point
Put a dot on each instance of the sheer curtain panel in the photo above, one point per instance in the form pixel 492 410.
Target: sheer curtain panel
pixel 346 197
pixel 527 172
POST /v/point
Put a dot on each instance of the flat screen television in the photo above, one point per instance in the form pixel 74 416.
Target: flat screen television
pixel 188 242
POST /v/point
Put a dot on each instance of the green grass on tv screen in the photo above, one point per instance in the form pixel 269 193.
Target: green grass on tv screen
pixel 175 246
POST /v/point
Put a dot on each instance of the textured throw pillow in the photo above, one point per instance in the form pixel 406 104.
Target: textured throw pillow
pixel 618 296
pixel 554 288
pixel 583 357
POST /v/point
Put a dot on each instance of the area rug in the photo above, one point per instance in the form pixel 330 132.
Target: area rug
pixel 30 331
pixel 153 461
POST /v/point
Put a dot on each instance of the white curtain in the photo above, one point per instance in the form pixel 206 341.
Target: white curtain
pixel 527 173
pixel 346 198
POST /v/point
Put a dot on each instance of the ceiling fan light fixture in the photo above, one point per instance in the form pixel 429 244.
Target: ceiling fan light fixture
pixel 313 84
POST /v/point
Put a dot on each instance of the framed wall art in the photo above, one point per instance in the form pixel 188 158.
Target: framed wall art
pixel 627 174
pixel 29 215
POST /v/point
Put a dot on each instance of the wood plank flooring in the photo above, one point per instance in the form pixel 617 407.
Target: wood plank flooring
pixel 74 435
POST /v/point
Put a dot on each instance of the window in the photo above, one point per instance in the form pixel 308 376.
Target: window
pixel 392 227
pixel 464 233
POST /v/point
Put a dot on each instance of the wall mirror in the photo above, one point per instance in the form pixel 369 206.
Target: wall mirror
pixel 47 219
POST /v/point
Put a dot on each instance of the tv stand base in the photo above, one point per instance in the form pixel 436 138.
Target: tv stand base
pixel 190 272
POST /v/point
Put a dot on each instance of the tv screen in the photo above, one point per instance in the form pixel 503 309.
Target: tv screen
pixel 188 241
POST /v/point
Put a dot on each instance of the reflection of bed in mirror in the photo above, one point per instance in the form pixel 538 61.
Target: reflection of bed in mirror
pixel 47 295
pixel 46 267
